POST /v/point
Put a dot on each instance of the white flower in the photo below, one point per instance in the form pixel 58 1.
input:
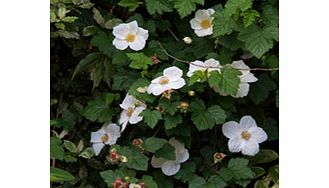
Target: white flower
pixel 133 185
pixel 170 167
pixel 131 35
pixel 204 66
pixel 244 136
pixel 107 135
pixel 171 79
pixel 246 78
pixel 202 22
pixel 131 110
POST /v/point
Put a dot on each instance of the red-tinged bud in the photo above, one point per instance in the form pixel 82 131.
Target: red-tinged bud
pixel 113 156
pixel 155 60
pixel 118 183
pixel 142 184
pixel 137 142
pixel 218 157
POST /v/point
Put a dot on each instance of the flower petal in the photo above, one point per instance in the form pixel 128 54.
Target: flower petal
pixel 120 44
pixel 143 33
pixel 195 24
pixel 157 89
pixel 182 155
pixel 203 32
pixel 202 14
pixel 138 44
pixel 157 162
pixel 236 144
pixel 258 134
pixel 211 11
pixel 97 147
pixel 114 133
pixel 176 84
pixel 121 31
pixel 231 129
pixel 243 90
pixel 248 78
pixel 170 168
pixel 128 101
pixel 250 148
pixel 124 125
pixel 246 122
pixel 173 73
pixel 133 26
pixel 96 136
pixel 123 117
pixel 194 67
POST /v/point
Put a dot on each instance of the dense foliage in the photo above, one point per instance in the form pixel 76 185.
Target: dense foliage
pixel 181 133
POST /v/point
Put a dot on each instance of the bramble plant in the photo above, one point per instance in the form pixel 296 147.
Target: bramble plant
pixel 164 93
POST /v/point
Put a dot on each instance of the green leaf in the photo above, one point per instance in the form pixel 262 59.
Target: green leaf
pixel 217 113
pixel 151 117
pixel 136 160
pixel 88 61
pixel 168 107
pixel 67 121
pixel 227 81
pixel 260 184
pixel 259 171
pixel 271 128
pixel 122 81
pixel 274 173
pixel 234 6
pixel 216 181
pixel 167 151
pixel 186 7
pixel 172 121
pixel 98 17
pixel 264 156
pixel 109 24
pixel 149 182
pixel 70 146
pixel 240 169
pixel 141 83
pixel 153 144
pixel 60 175
pixel 87 153
pixel 103 42
pixel 131 4
pixel 249 17
pixel 90 30
pixel 197 76
pixel 258 40
pixel 196 182
pixel 158 6
pixel 260 90
pixel 119 58
pixel 139 60
pixel 99 108
pixel 56 149
pixel 186 172
pixel 223 24
pixel 203 120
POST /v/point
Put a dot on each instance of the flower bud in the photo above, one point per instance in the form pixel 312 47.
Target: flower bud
pixel 142 184
pixel 127 178
pixel 191 93
pixel 187 40
pixel 118 183
pixel 155 60
pixel 142 89
pixel 113 156
pixel 183 106
pixel 123 159
pixel 218 157
pixel 137 142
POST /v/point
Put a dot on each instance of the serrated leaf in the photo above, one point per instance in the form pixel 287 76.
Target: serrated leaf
pixel 98 17
pixel 109 176
pixel 56 149
pixel 168 106
pixel 260 90
pixel 139 60
pixel 234 6
pixel 158 6
pixel 172 121
pixel 87 153
pixel 67 121
pixel 197 76
pixel 203 120
pixel 149 182
pixel 103 42
pixel 70 146
pixel 136 160
pixel 60 175
pixel 186 172
pixel 227 81
pixel 151 117
pixel 153 144
pixel 89 60
pixel 264 156
pixel 240 169
pixel 167 151
pixel 249 17
pixel 217 113
pixel 99 108
pixel 186 7
pixel 131 4
pixel 223 24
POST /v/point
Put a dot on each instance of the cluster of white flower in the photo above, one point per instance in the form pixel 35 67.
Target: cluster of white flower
pixel 244 136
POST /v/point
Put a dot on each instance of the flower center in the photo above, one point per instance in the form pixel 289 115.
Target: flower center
pixel 245 135
pixel 105 138
pixel 205 24
pixel 130 37
pixel 164 80
pixel 130 111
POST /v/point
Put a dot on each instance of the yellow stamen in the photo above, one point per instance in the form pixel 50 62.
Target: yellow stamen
pixel 130 37
pixel 205 24
pixel 245 135
pixel 105 138
pixel 130 111
pixel 164 80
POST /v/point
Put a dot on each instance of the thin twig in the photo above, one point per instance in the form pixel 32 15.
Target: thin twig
pixel 184 61
pixel 58 110
pixel 172 33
